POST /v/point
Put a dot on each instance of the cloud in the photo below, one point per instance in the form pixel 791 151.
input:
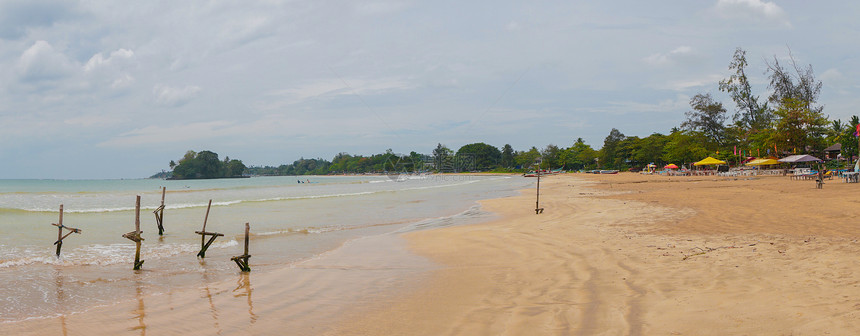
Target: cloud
pixel 174 96
pixel 678 54
pixel 41 62
pixel 752 11
pixel 680 102
pixel 98 60
pixel 171 134
pixel 330 88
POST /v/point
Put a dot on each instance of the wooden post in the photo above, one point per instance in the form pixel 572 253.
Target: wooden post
pixel 59 241
pixel 60 235
pixel 135 235
pixel 204 245
pixel 538 209
pixel 159 213
pixel 242 260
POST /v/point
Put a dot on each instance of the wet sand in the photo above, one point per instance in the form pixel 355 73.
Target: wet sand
pixel 618 254
pixel 629 254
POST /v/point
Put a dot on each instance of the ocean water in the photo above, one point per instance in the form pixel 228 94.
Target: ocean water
pixel 290 222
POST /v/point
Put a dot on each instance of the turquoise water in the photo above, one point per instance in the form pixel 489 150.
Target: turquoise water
pixel 289 221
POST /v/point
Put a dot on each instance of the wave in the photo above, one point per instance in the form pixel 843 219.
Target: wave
pixel 100 254
pixel 71 209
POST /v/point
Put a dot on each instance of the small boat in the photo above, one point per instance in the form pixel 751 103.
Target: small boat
pixel 609 172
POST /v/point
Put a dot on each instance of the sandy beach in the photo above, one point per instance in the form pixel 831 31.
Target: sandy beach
pixel 622 254
pixel 630 254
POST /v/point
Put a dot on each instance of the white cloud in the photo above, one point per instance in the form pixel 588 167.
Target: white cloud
pixel 41 62
pixel 98 60
pixel 676 55
pixel 174 96
pixel 752 11
pixel 698 82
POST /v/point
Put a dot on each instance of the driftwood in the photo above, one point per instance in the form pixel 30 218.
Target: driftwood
pixel 204 245
pixel 135 235
pixel 242 260
pixel 60 235
pixel 159 213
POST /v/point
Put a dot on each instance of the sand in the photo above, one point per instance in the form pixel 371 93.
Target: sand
pixel 629 254
pixel 622 254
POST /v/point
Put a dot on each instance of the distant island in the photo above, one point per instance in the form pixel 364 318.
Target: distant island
pixel 203 165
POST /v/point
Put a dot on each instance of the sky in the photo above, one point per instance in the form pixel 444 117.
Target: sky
pixel 117 89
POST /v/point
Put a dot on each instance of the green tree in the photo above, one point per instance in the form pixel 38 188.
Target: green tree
pixel 578 156
pixel 798 128
pixel 609 157
pixel 507 156
pixel 684 147
pixel 752 115
pixel 235 168
pixel 551 157
pixel 484 156
pixel 650 149
pixel 708 117
pixel 527 159
pixel 442 157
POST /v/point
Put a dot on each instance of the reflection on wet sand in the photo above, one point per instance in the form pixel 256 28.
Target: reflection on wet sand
pixel 212 309
pixel 140 311
pixel 244 282
pixel 61 298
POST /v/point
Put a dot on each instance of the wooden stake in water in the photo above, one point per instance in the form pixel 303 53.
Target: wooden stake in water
pixel 60 235
pixel 204 245
pixel 135 235
pixel 242 260
pixel 159 213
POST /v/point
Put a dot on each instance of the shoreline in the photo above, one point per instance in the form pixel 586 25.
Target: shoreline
pixel 304 297
pixel 636 261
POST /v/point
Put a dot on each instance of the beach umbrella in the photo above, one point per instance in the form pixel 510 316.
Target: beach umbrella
pixel 762 162
pixel 671 166
pixel 799 158
pixel 709 161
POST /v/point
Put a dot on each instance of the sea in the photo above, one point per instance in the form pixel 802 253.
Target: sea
pixel 292 219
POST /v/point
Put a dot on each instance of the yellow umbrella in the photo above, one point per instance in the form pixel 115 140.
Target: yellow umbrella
pixel 709 161
pixel 762 162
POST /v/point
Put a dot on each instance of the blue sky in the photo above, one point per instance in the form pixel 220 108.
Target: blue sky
pixel 94 89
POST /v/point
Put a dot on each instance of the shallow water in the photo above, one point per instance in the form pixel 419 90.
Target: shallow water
pixel 290 222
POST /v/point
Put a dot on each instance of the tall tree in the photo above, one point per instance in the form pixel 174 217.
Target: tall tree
pixel 609 153
pixel 442 157
pixel 799 85
pixel 708 117
pixel 507 156
pixel 752 115
pixel 550 156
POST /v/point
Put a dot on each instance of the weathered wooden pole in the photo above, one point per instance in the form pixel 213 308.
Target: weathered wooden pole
pixel 538 209
pixel 59 241
pixel 204 245
pixel 159 213
pixel 135 235
pixel 242 260
pixel 60 235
